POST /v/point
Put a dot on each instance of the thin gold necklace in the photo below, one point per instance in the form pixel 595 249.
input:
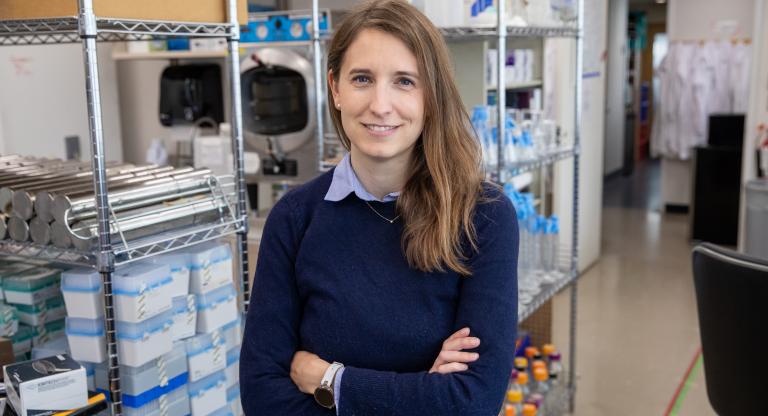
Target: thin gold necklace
pixel 392 221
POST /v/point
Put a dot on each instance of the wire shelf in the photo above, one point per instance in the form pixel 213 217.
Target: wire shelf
pixel 546 292
pixel 67 30
pixel 517 168
pixel 489 32
pixel 137 250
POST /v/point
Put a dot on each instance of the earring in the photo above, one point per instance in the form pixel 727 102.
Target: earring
pixel 338 106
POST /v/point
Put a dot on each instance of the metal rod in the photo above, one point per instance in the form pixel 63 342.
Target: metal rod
pixel 238 151
pixel 60 175
pixel 40 231
pixel 3 226
pixel 317 54
pixel 501 88
pixel 18 229
pixel 575 208
pixel 88 32
pixel 63 202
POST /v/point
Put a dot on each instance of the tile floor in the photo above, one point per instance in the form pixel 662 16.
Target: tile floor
pixel 637 328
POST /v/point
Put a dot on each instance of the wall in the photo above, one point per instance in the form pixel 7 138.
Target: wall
pixel 615 88
pixel 694 20
pixel 592 132
pixel 43 100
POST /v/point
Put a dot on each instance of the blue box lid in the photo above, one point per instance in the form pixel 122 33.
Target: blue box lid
pixel 85 327
pixel 81 280
pixel 204 255
pixel 233 356
pixel 140 330
pixel 177 261
pixel 201 386
pixel 202 343
pixel 138 278
pixel 184 304
pixel 233 393
pixel 215 297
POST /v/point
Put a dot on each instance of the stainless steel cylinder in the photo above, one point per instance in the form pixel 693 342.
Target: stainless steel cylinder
pixel 58 175
pixel 3 227
pixel 60 236
pixel 18 229
pixel 145 222
pixel 40 231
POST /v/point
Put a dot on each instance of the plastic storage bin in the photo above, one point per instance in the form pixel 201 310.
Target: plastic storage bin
pixel 9 270
pixel 141 291
pixel 233 400
pixel 224 411
pixel 22 340
pixel 32 286
pixel 208 395
pixel 210 267
pixel 140 343
pixel 206 354
pixel 47 332
pixel 174 403
pixel 233 367
pixel 184 317
pixel 141 385
pixel 179 265
pixel 47 311
pixel 216 309
pixel 83 293
pixel 86 339
pixel 9 320
pixel 756 197
pixel 233 333
pixel 53 347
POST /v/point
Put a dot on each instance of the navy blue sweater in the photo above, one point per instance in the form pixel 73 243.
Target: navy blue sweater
pixel 332 279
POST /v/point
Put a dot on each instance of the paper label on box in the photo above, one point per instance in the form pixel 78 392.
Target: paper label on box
pixel 208 362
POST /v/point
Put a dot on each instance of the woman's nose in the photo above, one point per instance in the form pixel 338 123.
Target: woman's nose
pixel 381 103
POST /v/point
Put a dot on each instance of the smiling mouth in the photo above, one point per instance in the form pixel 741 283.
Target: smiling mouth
pixel 379 128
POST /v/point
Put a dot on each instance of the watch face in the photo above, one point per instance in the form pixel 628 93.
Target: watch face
pixel 324 397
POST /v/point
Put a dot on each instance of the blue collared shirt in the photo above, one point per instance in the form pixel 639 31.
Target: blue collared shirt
pixel 345 182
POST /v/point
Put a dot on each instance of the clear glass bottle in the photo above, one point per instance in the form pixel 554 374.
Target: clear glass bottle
pixel 541 381
pixel 515 399
pixel 522 380
pixel 555 369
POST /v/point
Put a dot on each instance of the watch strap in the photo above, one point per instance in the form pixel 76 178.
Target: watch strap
pixel 330 374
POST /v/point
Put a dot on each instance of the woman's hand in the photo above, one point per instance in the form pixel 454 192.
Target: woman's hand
pixel 307 371
pixel 451 359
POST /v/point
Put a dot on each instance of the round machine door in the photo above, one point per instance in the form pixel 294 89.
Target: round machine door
pixel 277 94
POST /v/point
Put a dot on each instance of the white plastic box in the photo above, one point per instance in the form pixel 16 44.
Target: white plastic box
pixel 86 339
pixel 208 395
pixel 233 367
pixel 233 333
pixel 83 293
pixel 46 311
pixel 141 291
pixel 53 347
pixel 139 343
pixel 184 317
pixel 216 309
pixel 233 399
pixel 32 286
pixel 9 320
pixel 206 354
pixel 179 264
pixel 175 403
pixel 161 376
pixel 22 340
pixel 51 330
pixel 210 267
pixel 10 269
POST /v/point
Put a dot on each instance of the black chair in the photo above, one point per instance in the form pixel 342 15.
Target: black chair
pixel 732 299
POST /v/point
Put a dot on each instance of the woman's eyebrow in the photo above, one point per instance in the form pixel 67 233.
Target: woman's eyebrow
pixel 397 73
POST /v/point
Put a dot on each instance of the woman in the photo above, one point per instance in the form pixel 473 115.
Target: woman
pixel 385 265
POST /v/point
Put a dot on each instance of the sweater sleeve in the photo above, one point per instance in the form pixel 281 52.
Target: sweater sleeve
pixel 272 326
pixel 488 305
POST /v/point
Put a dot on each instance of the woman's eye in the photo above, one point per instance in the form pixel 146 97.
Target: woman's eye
pixel 361 79
pixel 406 82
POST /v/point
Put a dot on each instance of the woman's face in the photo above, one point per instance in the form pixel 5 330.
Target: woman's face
pixel 380 95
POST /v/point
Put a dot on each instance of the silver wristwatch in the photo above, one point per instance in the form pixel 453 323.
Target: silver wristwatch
pixel 324 393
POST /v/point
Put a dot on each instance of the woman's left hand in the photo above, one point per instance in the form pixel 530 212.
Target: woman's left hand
pixel 307 371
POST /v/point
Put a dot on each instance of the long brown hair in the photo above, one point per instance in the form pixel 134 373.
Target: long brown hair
pixel 439 198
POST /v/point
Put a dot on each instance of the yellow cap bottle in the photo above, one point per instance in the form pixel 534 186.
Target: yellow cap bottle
pixel 514 396
pixel 530 352
pixel 521 363
pixel 540 374
pixel 538 364
pixel 529 409
pixel 548 349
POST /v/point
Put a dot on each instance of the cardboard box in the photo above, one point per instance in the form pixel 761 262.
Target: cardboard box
pixel 55 383
pixel 6 352
pixel 212 11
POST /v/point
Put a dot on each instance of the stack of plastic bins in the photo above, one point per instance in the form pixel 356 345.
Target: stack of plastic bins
pixel 216 309
pixel 206 355
pixel 152 385
pixel 46 332
pixel 49 349
pixel 32 291
pixel 143 312
pixel 84 300
pixel 22 342
pixel 176 402
pixel 208 395
pixel 210 267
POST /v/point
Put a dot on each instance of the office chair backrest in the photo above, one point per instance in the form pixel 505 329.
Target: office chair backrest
pixel 732 299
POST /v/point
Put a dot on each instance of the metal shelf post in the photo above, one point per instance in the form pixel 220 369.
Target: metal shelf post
pixel 501 92
pixel 233 64
pixel 317 59
pixel 105 259
pixel 575 231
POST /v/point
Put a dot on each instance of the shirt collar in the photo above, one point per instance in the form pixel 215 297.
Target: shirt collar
pixel 345 182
